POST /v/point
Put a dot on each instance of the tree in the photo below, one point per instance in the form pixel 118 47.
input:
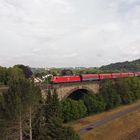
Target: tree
pixel 70 134
pixel 66 72
pixel 3 75
pixel 26 70
pixel 56 131
pixel 134 86
pixel 110 95
pixel 18 103
pixel 13 106
pixel 54 122
pixel 73 110
pixel 93 103
pixel 33 99
pixel 124 90
pixel 39 124
pixel 52 106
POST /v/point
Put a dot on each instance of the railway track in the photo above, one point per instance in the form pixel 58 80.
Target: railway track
pixel 108 119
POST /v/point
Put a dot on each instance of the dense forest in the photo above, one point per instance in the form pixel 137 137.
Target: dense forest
pixel 24 114
pixel 123 66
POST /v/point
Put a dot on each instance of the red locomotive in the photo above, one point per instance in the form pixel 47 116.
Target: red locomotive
pixel 92 77
pixel 65 79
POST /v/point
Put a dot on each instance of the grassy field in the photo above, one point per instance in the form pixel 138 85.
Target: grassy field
pixel 114 130
pixel 135 135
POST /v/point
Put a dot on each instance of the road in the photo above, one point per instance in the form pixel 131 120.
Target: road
pixel 108 119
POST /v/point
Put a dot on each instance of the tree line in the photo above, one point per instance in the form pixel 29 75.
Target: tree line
pixel 123 66
pixel 7 73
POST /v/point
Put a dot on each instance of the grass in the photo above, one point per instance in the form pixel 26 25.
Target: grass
pixel 113 130
pixel 116 129
pixel 135 135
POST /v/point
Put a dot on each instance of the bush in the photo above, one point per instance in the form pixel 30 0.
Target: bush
pixel 110 96
pixel 72 110
pixel 128 89
pixel 70 134
pixel 120 91
pixel 93 103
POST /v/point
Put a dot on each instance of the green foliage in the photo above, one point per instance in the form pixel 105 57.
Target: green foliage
pixel 93 103
pixel 65 72
pixel 120 91
pixel 39 127
pixel 22 105
pixel 56 131
pixel 70 134
pixel 124 91
pixel 25 69
pixel 17 103
pixel 15 100
pixel 34 95
pixel 9 73
pixel 135 87
pixel 52 106
pixel 72 109
pixel 129 89
pixel 111 98
pixel 54 123
pixel 3 75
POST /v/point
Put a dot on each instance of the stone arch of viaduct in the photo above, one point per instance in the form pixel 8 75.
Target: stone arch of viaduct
pixel 64 90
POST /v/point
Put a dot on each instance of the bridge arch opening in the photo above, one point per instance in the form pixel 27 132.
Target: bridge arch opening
pixel 78 94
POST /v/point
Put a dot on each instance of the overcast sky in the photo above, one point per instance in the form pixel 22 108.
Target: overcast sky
pixel 60 33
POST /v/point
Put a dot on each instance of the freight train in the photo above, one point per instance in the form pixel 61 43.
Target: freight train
pixel 92 77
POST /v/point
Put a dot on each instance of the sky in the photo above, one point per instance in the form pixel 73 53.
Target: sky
pixel 69 33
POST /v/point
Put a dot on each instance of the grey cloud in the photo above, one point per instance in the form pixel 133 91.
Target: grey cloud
pixel 68 32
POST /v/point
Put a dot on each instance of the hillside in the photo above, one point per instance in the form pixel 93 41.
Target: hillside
pixel 123 66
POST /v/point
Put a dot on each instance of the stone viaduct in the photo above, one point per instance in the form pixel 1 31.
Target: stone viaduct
pixel 65 90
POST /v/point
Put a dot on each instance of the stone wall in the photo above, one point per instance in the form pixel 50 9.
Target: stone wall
pixel 64 90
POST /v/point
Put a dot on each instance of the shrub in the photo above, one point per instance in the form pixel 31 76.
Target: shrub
pixel 72 110
pixel 93 103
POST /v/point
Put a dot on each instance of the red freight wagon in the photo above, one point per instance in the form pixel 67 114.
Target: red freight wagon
pixel 66 79
pixel 131 74
pixel 116 75
pixel 124 74
pixel 137 73
pixel 90 77
pixel 105 76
